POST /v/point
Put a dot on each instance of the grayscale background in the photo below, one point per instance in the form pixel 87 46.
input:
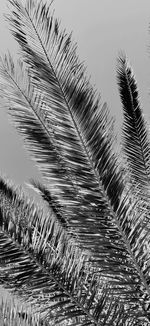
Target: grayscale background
pixel 101 28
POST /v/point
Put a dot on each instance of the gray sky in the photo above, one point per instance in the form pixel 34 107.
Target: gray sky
pixel 101 28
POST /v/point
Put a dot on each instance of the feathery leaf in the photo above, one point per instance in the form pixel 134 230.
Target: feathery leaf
pixel 83 136
pixel 46 270
pixel 136 144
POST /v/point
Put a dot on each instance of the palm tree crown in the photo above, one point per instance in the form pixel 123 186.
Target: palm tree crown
pixel 83 258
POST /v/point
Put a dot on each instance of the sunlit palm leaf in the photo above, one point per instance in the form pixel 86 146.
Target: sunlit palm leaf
pixel 46 269
pixel 31 127
pixel 80 126
pixel 82 132
pixel 60 115
pixel 38 138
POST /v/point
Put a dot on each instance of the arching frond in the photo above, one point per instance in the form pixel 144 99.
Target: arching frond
pixel 69 133
pixel 136 143
pixel 81 126
pixel 47 270
pixel 76 205
pixel 51 202
pixel 19 93
pixel 87 153
pixel 82 132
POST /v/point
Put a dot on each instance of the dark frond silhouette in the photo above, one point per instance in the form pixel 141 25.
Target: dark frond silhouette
pixel 135 131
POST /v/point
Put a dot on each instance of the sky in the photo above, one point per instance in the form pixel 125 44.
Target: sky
pixel 101 28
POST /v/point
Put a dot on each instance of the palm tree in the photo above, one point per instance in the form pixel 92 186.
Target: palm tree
pixel 83 258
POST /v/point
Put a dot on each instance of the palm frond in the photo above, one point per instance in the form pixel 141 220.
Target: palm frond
pixel 48 271
pixel 136 144
pixel 83 136
pixel 79 214
pixel 38 138
pixel 82 130
pixel 31 127
pixel 77 137
pixel 13 314
pixel 48 198
pixel 72 108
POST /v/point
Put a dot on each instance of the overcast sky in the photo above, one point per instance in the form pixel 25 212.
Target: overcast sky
pixel 101 28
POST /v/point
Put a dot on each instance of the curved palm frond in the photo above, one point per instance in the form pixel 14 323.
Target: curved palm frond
pixel 48 198
pixel 81 101
pixel 97 120
pixel 82 134
pixel 70 136
pixel 37 137
pixel 31 128
pixel 47 270
pixel 136 144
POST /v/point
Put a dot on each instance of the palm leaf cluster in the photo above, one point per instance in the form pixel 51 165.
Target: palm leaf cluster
pixel 83 257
